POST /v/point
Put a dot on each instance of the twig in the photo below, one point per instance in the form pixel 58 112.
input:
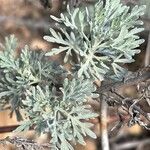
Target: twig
pixel 147 54
pixel 140 76
pixel 28 22
pixel 24 144
pixel 130 145
pixel 104 132
pixel 127 102
pixel 10 128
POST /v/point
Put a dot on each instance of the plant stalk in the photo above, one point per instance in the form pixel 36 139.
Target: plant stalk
pixel 104 130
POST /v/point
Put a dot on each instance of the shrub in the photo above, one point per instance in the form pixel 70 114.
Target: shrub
pixel 97 42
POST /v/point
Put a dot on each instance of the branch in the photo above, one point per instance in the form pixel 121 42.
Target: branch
pixel 28 22
pixel 10 128
pixel 103 126
pixel 147 54
pixel 137 77
pixel 128 103
pixel 131 145
pixel 24 144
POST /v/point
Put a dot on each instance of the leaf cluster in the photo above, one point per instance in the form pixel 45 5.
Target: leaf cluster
pixel 103 38
pixel 60 113
pixel 18 74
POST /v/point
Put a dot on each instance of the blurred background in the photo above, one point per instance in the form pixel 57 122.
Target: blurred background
pixel 29 21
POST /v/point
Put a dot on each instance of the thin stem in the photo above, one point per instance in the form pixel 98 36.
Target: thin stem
pixel 29 23
pixel 104 132
pixel 133 144
pixel 147 54
pixel 141 75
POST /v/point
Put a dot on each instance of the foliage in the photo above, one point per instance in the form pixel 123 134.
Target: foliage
pixel 102 39
pixel 61 113
pixel 18 74
pixel 54 100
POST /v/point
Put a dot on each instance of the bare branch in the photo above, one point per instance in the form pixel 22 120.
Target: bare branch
pixel 104 132
pixel 131 145
pixel 137 77
pixel 27 22
pixel 147 54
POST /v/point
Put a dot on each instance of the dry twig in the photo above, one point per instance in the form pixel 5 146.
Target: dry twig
pixel 104 130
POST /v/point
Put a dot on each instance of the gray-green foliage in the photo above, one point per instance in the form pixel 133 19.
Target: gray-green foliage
pixel 29 82
pixel 60 113
pixel 34 84
pixel 102 39
pixel 18 74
